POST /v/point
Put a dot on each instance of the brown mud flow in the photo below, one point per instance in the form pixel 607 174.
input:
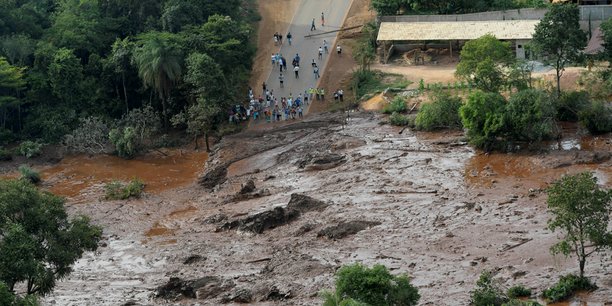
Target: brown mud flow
pixel 159 172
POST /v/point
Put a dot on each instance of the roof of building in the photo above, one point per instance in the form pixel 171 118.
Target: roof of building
pixel 458 30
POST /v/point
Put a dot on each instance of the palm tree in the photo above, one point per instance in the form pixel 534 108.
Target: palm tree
pixel 159 60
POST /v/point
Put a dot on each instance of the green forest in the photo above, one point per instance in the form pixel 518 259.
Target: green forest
pixel 74 70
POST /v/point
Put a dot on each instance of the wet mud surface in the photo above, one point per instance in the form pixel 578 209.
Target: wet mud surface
pixel 424 204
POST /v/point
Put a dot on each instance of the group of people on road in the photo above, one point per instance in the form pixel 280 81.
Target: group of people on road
pixel 272 108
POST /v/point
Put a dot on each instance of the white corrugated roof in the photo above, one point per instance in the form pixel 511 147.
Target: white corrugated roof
pixel 458 30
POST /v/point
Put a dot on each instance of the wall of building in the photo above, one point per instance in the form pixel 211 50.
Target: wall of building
pixel 595 13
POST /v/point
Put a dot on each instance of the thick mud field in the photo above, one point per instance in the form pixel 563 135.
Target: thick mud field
pixel 284 208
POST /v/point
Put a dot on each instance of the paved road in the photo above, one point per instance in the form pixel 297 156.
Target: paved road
pixel 307 48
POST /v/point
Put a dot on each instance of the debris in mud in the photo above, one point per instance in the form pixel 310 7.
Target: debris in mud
pixel 568 158
pixel 247 192
pixel 214 177
pixel 345 229
pixel 266 220
pixel 202 288
pixel 308 227
pixel 312 162
pixel 270 292
pixel 304 203
pixel 248 187
pixel 216 218
pixel 193 259
pixel 277 216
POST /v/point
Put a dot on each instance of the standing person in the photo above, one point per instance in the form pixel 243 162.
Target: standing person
pixel 273 59
pixel 341 95
pixel 289 36
pixel 280 38
pixel 312 25
pixel 339 49
pixel 322 92
pixel 281 78
pixel 322 19
pixel 276 38
pixel 320 53
pixel 316 72
pixel 284 63
pixel 325 46
pixel 264 86
pixel 300 112
pixel 313 64
pixel 296 70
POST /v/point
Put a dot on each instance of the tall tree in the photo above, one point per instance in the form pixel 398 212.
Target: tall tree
pixel 606 28
pixel 159 60
pixel 65 76
pixel 38 243
pixel 11 81
pixel 581 210
pixel 559 37
pixel 120 57
pixel 482 62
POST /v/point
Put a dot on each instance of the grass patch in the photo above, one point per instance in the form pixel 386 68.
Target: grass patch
pixel 117 190
pixel 399 119
pixel 398 105
pixel 566 287
pixel 29 174
pixel 518 291
pixel 373 81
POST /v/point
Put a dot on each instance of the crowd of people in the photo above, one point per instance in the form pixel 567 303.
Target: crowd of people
pixel 271 107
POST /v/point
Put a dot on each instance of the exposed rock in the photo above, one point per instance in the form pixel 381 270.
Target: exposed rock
pixel 321 161
pixel 260 222
pixel 305 229
pixel 174 289
pixel 193 259
pixel 211 286
pixel 214 177
pixel 239 295
pixel 248 187
pixel 304 203
pixel 344 229
pixel 202 288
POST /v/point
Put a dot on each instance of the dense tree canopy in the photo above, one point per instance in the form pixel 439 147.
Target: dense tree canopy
pixel 80 58
pixel 483 60
pixel 394 7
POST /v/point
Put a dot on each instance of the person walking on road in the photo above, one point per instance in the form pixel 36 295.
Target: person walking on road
pixel 296 70
pixel 320 53
pixel 316 72
pixel 322 19
pixel 281 78
pixel 312 25
pixel 325 46
pixel 289 36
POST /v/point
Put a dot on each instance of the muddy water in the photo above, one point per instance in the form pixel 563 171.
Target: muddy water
pixel 159 171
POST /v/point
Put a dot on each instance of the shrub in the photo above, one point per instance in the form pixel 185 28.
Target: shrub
pixel 30 149
pixel 483 116
pixel 566 286
pixel 570 104
pixel 116 190
pixel 597 117
pixel 5 154
pixel 516 302
pixel 530 116
pixel 398 104
pixel 399 119
pixel 90 137
pixel 442 112
pixel 6 136
pixel 145 121
pixel 487 293
pixel 125 142
pixel 518 291
pixel 375 286
pixel 29 174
